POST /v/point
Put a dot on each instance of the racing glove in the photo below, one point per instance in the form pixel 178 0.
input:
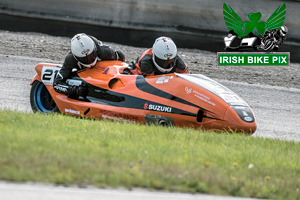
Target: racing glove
pixel 78 90
pixel 120 55
pixel 128 69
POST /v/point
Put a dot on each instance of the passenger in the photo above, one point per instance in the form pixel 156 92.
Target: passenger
pixel 85 52
pixel 162 58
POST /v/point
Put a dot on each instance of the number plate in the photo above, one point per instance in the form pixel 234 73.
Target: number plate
pixel 48 74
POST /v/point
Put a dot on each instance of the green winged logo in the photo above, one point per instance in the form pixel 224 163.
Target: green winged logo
pixel 234 22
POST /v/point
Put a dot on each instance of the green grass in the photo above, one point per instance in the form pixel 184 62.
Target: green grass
pixel 67 150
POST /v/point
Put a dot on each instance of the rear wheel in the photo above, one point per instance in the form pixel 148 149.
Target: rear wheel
pixel 41 100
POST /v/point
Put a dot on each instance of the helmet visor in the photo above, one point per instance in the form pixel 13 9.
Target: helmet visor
pixel 92 64
pixel 88 59
pixel 165 64
pixel 282 32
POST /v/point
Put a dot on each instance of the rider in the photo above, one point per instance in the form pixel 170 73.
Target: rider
pixel 162 58
pixel 85 52
pixel 274 34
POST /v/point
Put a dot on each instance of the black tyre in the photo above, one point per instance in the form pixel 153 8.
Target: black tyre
pixel 41 100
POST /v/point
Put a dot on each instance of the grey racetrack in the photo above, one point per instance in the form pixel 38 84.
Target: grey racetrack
pixel 20 191
pixel 272 93
pixel 276 108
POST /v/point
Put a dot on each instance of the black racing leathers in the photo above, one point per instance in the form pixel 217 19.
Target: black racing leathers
pixel 71 64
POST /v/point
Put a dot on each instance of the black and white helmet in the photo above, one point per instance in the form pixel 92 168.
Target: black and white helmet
pixel 283 30
pixel 164 52
pixel 84 50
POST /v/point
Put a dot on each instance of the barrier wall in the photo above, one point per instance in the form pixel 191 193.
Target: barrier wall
pixel 181 15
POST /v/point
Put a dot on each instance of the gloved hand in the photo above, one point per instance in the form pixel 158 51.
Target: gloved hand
pixel 78 90
pixel 120 55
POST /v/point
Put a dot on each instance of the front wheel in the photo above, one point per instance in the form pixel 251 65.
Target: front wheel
pixel 41 100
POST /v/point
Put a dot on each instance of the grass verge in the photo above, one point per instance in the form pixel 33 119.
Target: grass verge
pixel 67 150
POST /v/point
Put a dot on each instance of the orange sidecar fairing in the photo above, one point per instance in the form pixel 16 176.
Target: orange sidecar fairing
pixel 184 100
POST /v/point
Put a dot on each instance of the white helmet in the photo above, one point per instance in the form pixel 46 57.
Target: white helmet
pixel 164 51
pixel 84 50
pixel 283 30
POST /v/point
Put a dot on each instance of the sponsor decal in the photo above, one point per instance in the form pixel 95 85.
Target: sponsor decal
pixel 105 72
pixel 199 96
pixel 61 88
pixel 168 55
pixel 146 106
pixel 117 119
pixel 188 90
pixel 75 112
pixel 157 108
pixel 245 113
pixel 118 116
pixel 254 34
pixel 164 79
pixel 248 119
pixel 85 51
pixel 73 82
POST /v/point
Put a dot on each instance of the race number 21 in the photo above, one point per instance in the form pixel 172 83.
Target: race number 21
pixel 48 74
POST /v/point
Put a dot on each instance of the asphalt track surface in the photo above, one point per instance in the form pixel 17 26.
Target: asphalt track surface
pixel 12 191
pixel 276 108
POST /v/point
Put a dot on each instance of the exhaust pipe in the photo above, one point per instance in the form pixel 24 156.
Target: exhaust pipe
pixel 159 120
pixel 162 122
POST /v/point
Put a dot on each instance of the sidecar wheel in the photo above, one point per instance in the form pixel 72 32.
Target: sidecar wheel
pixel 41 100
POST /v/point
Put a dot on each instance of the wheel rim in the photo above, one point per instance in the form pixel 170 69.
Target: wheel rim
pixel 43 100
